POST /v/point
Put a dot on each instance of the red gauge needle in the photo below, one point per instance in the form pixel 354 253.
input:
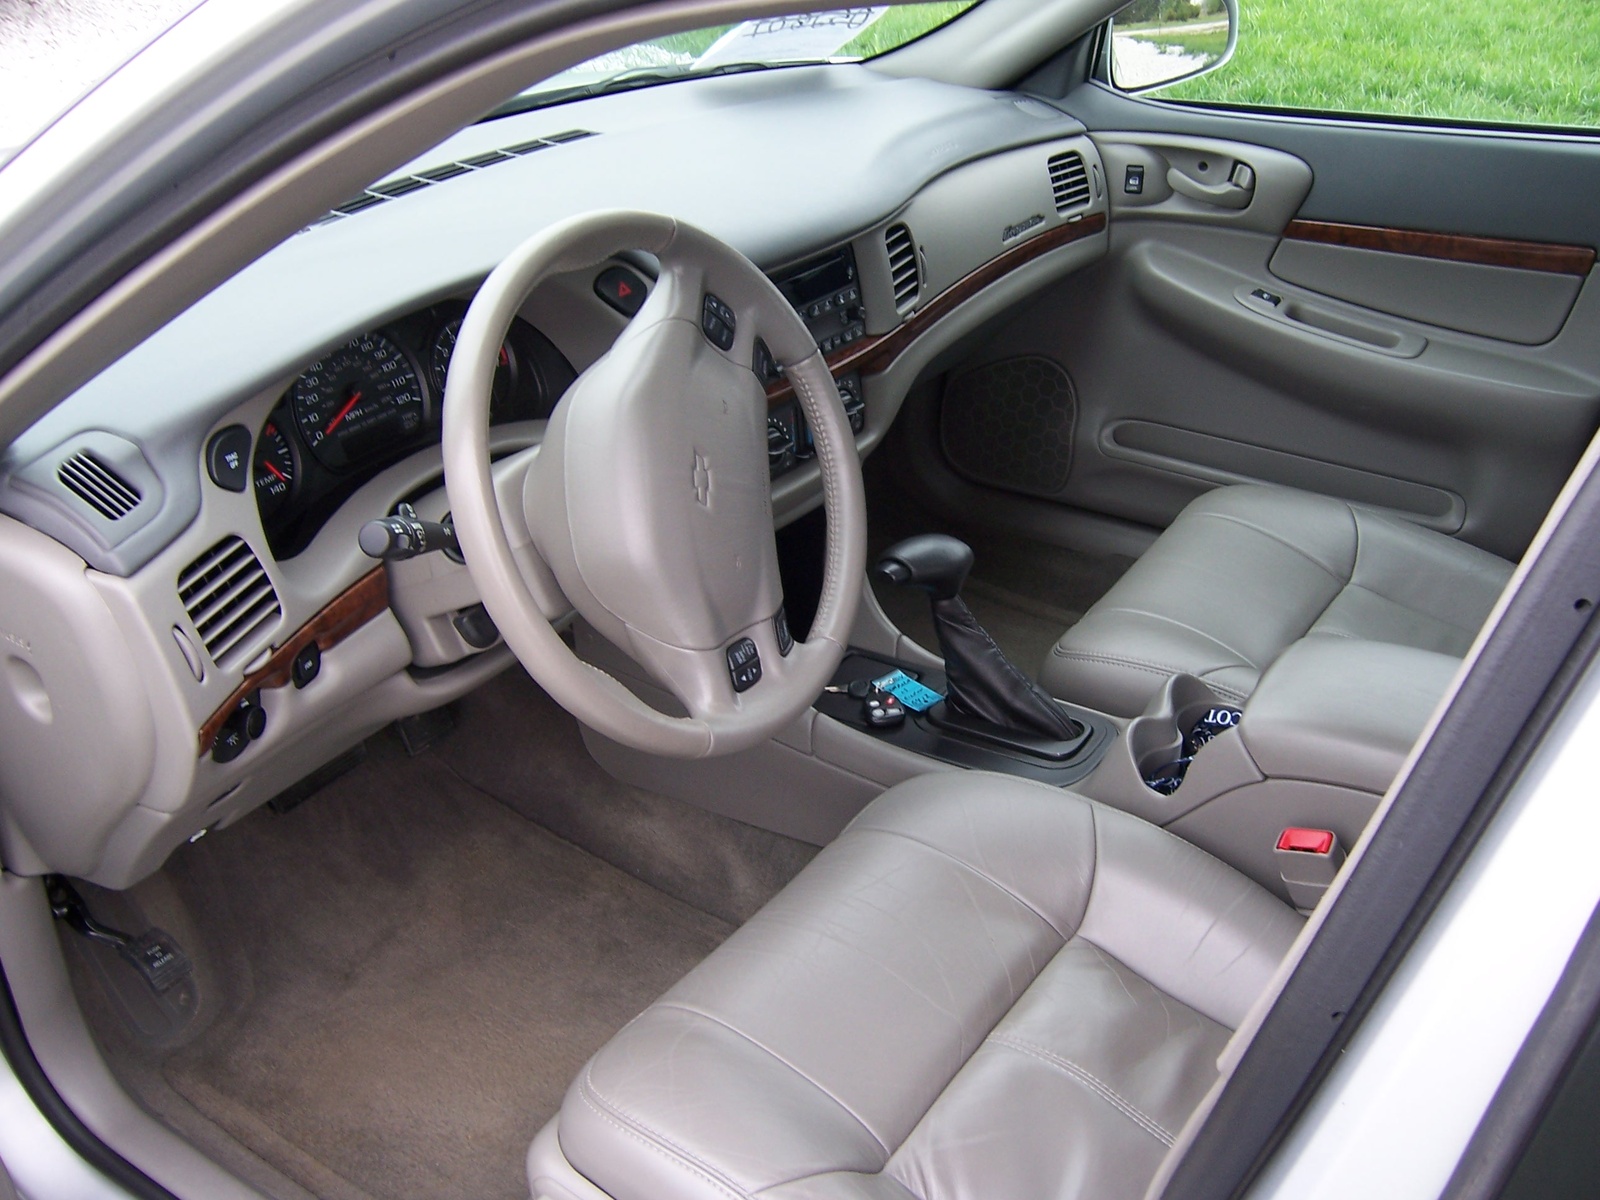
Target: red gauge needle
pixel 355 399
pixel 284 478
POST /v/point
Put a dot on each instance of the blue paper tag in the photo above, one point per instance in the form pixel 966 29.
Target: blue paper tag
pixel 908 691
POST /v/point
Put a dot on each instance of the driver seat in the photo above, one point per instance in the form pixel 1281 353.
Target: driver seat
pixel 984 987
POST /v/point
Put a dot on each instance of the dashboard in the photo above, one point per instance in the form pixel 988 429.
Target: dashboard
pixel 181 535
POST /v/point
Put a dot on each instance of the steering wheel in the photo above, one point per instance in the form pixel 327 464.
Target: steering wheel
pixel 649 500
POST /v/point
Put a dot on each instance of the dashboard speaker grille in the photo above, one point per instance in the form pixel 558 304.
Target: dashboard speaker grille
pixel 230 599
pixel 1069 180
pixel 1010 425
pixel 98 486
pixel 902 249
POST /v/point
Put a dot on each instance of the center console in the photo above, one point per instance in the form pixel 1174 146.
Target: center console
pixel 826 292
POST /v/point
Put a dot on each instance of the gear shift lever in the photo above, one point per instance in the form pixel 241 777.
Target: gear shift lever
pixel 983 682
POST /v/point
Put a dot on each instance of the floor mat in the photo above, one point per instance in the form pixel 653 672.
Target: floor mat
pixel 416 973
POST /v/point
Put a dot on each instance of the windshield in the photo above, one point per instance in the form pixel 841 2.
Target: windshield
pixel 834 35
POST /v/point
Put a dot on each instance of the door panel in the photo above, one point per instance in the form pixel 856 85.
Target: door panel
pixel 1509 303
pixel 1454 380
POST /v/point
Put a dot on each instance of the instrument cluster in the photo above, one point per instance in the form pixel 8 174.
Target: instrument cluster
pixel 374 400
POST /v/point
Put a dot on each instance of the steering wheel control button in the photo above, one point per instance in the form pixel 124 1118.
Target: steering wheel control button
pixel 306 664
pixel 780 626
pixel 228 458
pixel 717 322
pixel 621 289
pixel 744 665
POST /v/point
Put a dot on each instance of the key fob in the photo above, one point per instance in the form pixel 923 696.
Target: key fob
pixel 882 711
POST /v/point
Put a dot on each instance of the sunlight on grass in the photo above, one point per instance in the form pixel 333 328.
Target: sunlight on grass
pixel 901 25
pixel 1509 61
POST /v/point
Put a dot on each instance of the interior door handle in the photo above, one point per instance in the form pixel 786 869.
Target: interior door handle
pixel 1237 192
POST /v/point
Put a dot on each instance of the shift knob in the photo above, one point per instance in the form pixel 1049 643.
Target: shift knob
pixel 935 562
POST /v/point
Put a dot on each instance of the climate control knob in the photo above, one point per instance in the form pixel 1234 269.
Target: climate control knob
pixel 780 445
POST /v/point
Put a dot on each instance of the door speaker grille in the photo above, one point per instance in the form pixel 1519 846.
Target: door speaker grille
pixel 1010 424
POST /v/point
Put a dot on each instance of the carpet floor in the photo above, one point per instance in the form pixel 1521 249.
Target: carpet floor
pixel 413 975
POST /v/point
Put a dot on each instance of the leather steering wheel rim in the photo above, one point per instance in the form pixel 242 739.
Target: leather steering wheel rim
pixel 644 501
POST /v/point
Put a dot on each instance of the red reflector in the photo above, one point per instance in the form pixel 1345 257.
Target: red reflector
pixel 1311 841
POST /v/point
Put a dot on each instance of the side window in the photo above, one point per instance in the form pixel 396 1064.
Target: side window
pixel 1519 62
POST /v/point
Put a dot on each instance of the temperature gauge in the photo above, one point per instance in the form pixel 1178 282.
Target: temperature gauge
pixel 273 469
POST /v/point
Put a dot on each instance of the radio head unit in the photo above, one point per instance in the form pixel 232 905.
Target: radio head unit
pixel 826 292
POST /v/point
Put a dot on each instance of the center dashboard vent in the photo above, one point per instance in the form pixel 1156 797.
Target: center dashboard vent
pixel 902 250
pixel 230 599
pixel 389 189
pixel 1069 180
pixel 98 486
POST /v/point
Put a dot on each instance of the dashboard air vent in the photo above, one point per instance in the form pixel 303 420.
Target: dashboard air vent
pixel 1069 180
pixel 902 248
pixel 399 186
pixel 98 486
pixel 229 598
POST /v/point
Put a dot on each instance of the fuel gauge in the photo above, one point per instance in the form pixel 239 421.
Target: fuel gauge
pixel 274 469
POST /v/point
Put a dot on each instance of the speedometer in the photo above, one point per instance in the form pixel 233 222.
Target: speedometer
pixel 358 401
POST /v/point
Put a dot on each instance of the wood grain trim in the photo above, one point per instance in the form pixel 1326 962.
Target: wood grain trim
pixel 363 600
pixel 874 354
pixel 1483 251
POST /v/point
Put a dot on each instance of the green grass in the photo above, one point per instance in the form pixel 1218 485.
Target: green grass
pixel 1514 61
pixel 695 42
pixel 902 24
pixel 1212 43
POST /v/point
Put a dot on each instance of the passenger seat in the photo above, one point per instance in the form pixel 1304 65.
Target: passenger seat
pixel 1245 572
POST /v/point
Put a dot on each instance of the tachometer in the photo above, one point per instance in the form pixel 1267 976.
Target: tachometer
pixel 505 374
pixel 358 401
pixel 272 469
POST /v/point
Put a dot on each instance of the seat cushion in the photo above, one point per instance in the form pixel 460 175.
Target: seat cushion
pixel 1244 572
pixel 985 987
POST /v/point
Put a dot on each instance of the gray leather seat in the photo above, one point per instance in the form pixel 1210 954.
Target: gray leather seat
pixel 1244 572
pixel 985 987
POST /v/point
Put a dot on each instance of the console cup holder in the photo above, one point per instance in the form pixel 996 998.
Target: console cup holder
pixel 1158 738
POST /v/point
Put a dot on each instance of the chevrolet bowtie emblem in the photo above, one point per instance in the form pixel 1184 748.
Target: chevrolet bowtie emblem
pixel 702 479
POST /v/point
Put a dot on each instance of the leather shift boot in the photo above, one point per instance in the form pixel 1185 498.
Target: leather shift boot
pixel 984 683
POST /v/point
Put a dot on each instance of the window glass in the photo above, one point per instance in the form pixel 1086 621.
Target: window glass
pixel 1525 62
pixel 832 35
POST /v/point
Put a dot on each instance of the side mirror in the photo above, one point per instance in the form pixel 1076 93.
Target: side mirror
pixel 1157 42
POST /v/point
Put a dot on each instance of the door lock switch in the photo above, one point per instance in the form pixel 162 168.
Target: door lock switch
pixel 1133 179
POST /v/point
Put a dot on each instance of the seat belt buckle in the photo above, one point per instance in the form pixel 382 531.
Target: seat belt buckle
pixel 1308 859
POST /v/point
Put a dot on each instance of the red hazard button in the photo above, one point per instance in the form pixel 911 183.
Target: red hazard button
pixel 622 289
